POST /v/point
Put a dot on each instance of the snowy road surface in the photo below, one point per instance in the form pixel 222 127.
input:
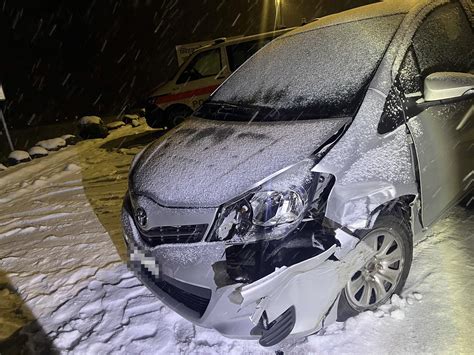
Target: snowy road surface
pixel 62 276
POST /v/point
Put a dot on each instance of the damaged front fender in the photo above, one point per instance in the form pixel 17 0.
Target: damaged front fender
pixel 370 169
pixel 311 286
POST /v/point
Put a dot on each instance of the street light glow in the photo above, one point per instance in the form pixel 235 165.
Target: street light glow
pixel 279 14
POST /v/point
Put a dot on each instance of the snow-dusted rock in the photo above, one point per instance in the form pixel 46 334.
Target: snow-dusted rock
pixel 88 120
pixel 128 118
pixel 18 156
pixel 72 167
pixel 37 152
pixel 52 144
pixel 70 139
pixel 115 125
pixel 92 127
pixel 2 167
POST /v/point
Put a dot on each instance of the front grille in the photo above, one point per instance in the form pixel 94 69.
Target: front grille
pixel 174 234
pixel 190 299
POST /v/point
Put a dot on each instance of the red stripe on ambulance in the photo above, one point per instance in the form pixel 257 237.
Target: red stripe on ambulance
pixel 185 95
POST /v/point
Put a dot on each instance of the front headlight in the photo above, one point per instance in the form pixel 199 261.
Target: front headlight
pixel 271 211
pixel 272 208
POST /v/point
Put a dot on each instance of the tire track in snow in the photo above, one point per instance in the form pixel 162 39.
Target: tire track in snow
pixel 30 225
pixel 51 242
pixel 11 217
pixel 60 192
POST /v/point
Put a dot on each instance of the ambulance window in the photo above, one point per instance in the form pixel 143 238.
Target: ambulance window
pixel 240 52
pixel 203 65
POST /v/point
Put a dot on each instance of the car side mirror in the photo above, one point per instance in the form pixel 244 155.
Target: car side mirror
pixel 447 85
pixel 439 89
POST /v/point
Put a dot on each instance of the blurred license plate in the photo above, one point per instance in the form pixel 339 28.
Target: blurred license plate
pixel 148 262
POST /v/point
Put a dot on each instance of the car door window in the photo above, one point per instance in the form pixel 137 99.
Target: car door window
pixel 443 42
pixel 203 65
pixel 240 52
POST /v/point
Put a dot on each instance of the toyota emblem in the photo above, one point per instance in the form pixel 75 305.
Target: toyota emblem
pixel 140 215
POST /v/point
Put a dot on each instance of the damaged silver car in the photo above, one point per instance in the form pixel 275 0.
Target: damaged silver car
pixel 293 197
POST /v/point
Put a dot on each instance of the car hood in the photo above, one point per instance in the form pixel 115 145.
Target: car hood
pixel 205 163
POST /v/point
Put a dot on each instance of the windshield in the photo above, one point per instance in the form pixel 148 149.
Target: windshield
pixel 319 73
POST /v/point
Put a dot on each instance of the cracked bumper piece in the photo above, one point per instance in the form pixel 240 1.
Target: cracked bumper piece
pixel 292 301
pixel 279 329
pixel 183 276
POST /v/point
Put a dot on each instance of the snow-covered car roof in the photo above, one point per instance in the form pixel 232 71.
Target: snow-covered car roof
pixel 384 8
pixel 240 39
pixel 327 62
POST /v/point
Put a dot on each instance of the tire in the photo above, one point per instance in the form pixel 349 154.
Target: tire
pixel 154 116
pixel 372 276
pixel 176 115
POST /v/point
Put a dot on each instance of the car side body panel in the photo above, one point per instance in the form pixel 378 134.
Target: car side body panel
pixel 370 169
pixel 443 137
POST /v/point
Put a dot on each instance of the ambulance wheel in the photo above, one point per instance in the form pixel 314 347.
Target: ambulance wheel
pixel 176 115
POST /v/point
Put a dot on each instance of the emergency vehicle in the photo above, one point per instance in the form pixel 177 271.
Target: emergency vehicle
pixel 203 71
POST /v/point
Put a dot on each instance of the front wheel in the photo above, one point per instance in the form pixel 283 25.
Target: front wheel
pixel 176 115
pixel 385 274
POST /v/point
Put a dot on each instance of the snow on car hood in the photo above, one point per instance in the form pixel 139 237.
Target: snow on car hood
pixel 205 163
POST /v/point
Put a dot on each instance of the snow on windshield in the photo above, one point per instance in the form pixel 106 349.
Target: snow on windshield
pixel 325 69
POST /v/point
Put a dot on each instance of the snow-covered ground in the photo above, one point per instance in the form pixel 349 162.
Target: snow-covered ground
pixel 60 267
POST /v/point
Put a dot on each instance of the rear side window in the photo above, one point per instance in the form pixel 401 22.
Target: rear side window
pixel 408 81
pixel 203 65
pixel 409 77
pixel 392 115
pixel 444 41
pixel 240 52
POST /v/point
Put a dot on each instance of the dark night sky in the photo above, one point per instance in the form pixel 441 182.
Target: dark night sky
pixel 63 58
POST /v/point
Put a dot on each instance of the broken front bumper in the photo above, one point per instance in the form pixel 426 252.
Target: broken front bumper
pixel 291 301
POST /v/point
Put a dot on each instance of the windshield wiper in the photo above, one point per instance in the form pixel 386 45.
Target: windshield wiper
pixel 227 112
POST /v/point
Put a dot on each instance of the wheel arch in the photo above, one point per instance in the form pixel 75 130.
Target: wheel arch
pixel 173 107
pixel 407 207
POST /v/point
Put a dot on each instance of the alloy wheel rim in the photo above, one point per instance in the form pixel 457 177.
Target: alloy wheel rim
pixel 373 285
